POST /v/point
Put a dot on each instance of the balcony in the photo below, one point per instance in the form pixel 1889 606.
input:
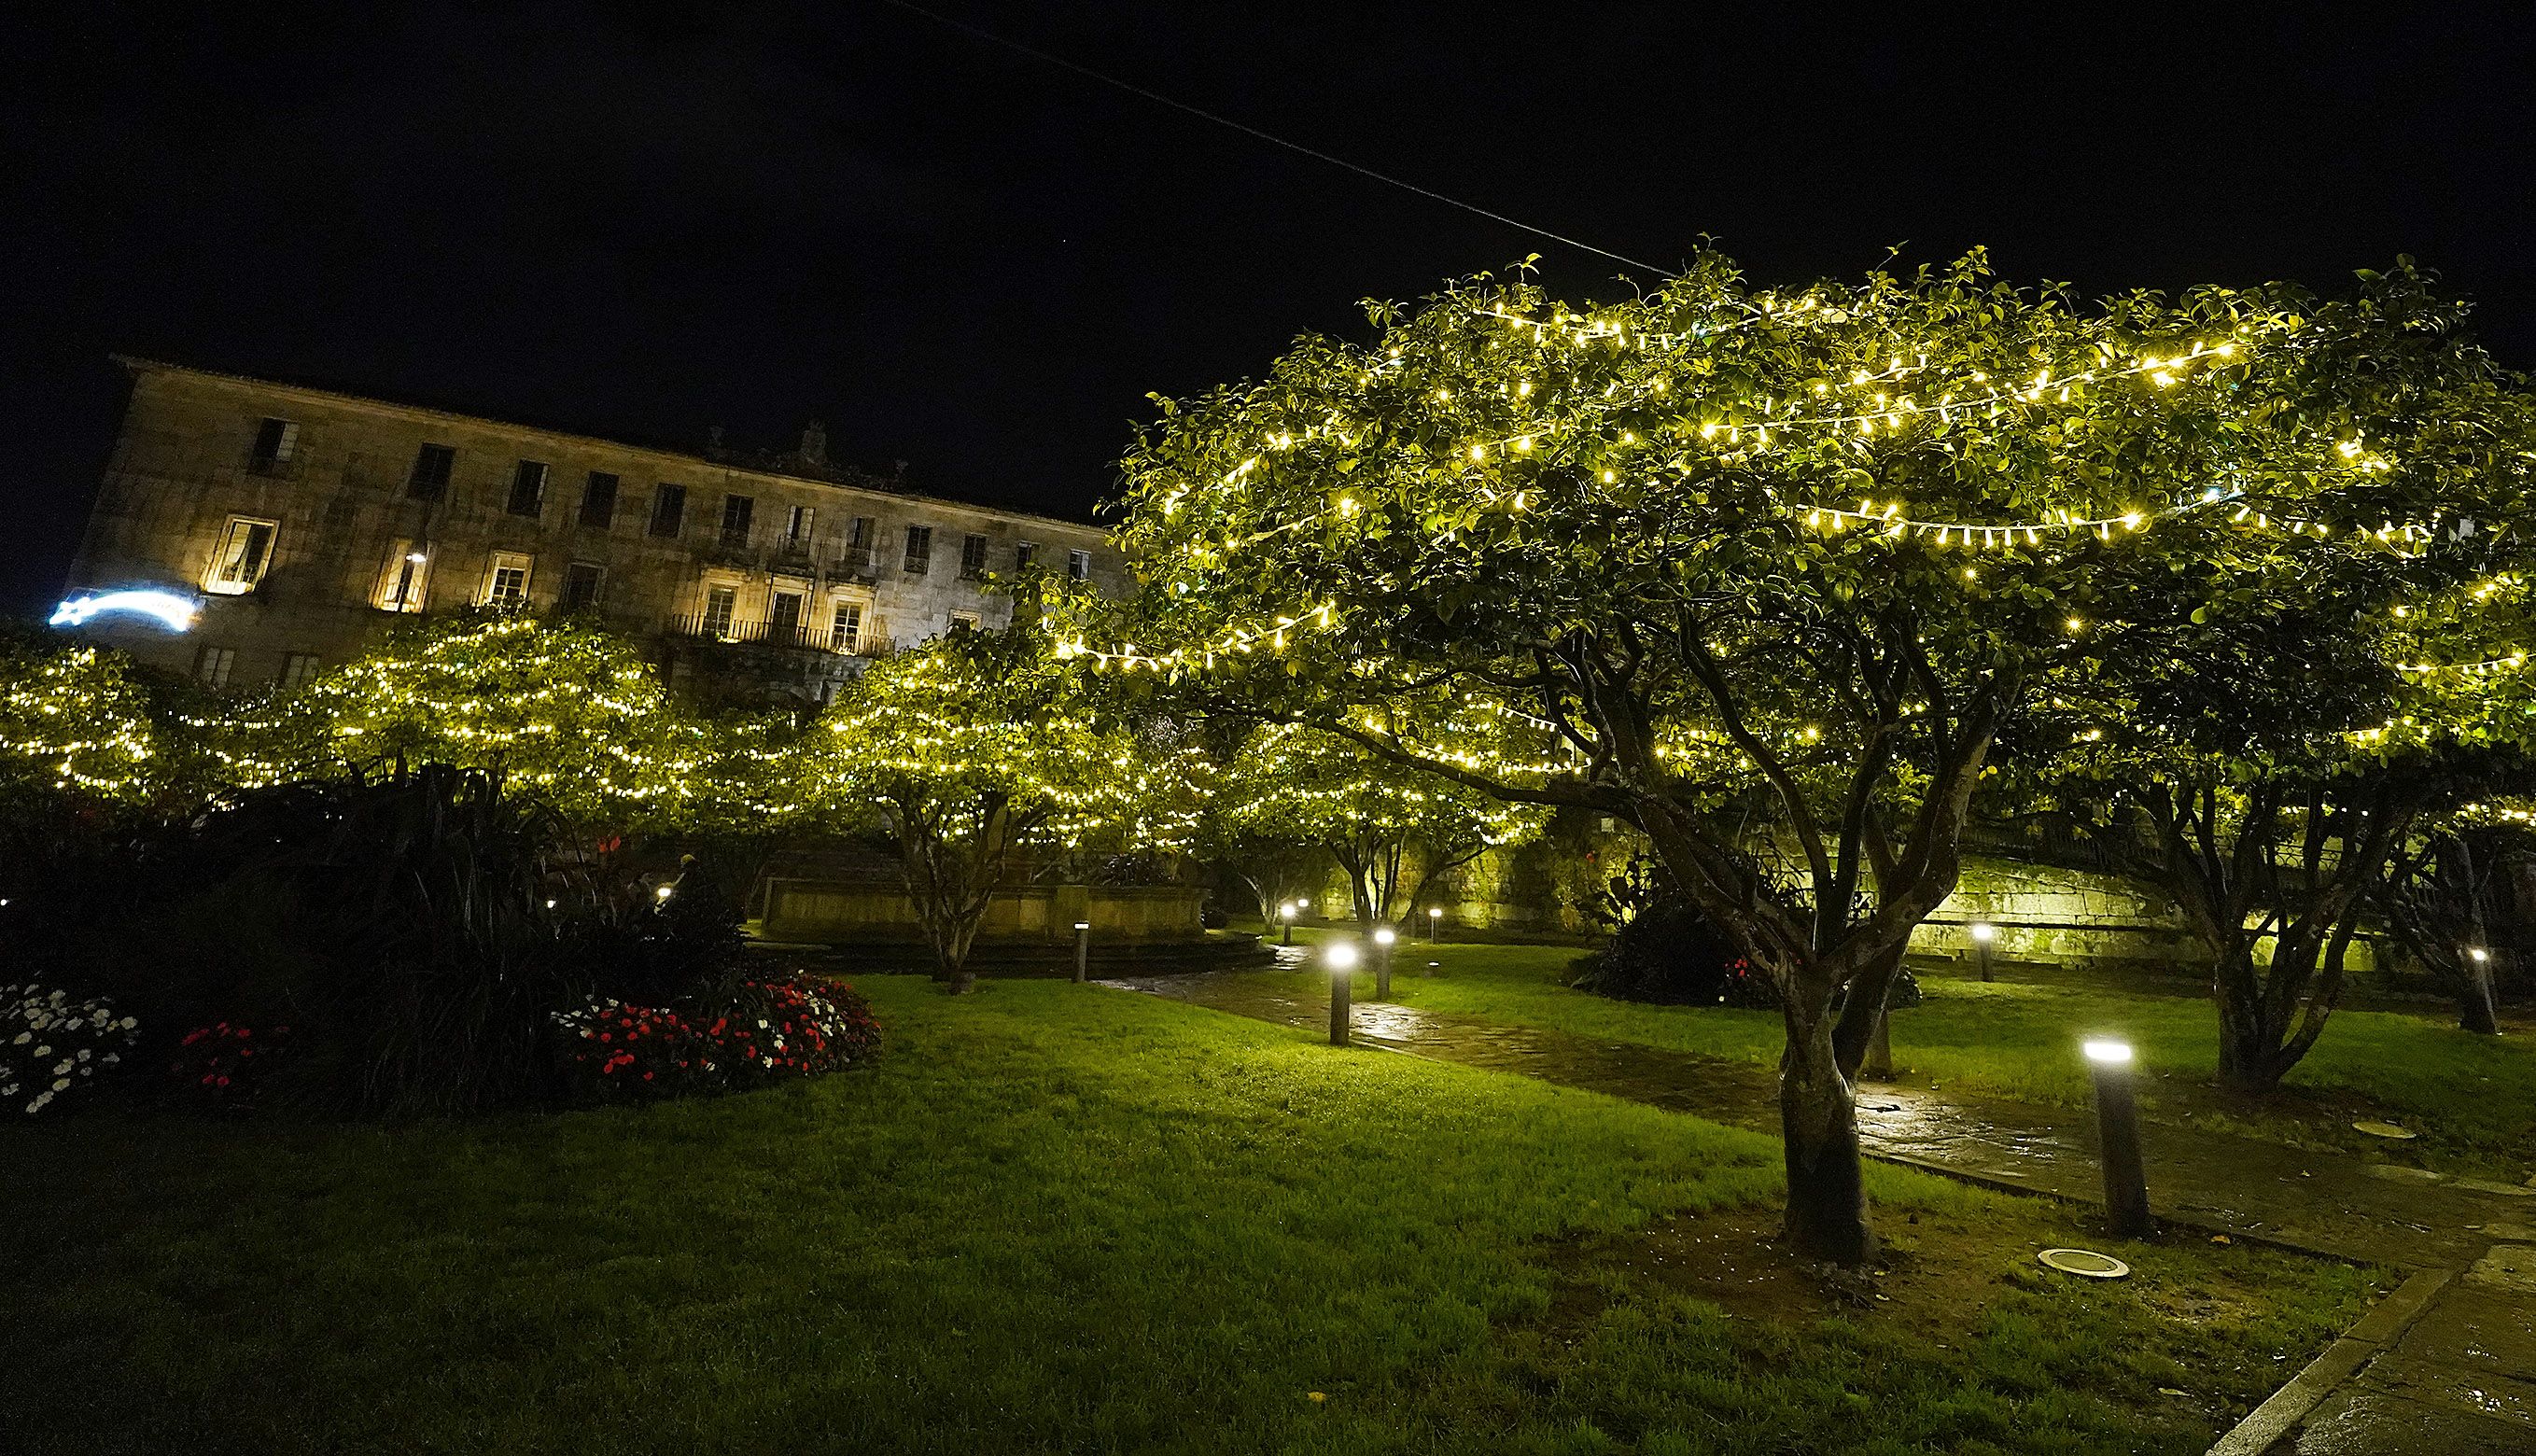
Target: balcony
pixel 800 636
pixel 855 564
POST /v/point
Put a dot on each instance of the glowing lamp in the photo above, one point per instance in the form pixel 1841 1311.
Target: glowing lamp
pixel 1983 930
pixel 2477 953
pixel 2108 1053
pixel 174 612
pixel 665 892
pixel 1341 956
pixel 1083 924
pixel 1286 911
pixel 1385 935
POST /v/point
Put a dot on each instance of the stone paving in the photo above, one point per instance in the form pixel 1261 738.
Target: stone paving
pixel 2460 1378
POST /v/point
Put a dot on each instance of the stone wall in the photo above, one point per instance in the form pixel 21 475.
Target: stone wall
pixel 849 913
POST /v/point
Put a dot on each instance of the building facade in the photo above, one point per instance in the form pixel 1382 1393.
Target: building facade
pixel 294 523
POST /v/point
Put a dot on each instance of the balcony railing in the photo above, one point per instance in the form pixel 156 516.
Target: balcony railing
pixel 769 633
pixel 855 564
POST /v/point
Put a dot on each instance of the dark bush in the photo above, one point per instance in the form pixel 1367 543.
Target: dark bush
pixel 648 951
pixel 1660 948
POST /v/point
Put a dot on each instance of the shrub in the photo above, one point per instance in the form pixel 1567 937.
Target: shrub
pixel 53 1047
pixel 225 1064
pixel 430 961
pixel 1660 948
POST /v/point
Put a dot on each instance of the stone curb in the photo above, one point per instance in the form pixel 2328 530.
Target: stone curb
pixel 2379 1328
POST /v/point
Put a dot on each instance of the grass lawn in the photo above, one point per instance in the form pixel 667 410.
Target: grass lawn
pixel 1064 1219
pixel 2472 1098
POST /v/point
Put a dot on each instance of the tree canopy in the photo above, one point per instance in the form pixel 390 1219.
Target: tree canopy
pixel 1778 574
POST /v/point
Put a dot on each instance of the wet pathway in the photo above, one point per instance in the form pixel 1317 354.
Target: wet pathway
pixel 2461 1377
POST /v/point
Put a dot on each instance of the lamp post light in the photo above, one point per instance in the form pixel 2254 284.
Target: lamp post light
pixel 2480 1015
pixel 1384 936
pixel 1340 956
pixel 2119 1137
pixel 1981 932
pixel 1082 951
pixel 1286 912
pixel 1434 924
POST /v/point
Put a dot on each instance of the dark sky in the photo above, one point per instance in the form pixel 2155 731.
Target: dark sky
pixel 975 261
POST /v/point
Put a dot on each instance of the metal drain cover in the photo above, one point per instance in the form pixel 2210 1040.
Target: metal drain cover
pixel 2085 1263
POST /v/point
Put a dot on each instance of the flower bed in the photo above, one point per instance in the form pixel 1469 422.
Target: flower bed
pixel 53 1047
pixel 225 1064
pixel 747 1035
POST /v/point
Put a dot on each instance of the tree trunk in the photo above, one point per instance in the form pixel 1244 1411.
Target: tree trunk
pixel 963 982
pixel 2248 1043
pixel 1827 1217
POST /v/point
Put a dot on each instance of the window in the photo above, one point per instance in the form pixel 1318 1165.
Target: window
pixel 846 628
pixel 964 622
pixel 783 616
pixel 240 559
pixel 1023 553
pixel 1078 565
pixel 211 665
pixel 857 560
pixel 973 556
pixel 277 441
pixel 581 582
pixel 920 549
pixel 297 667
pixel 669 509
pixel 429 478
pixel 796 530
pixel 403 579
pixel 527 487
pixel 735 513
pixel 718 603
pixel 599 501
pixel 506 582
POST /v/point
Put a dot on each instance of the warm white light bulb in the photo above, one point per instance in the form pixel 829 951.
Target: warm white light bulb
pixel 2109 1053
pixel 1385 935
pixel 1983 930
pixel 1341 956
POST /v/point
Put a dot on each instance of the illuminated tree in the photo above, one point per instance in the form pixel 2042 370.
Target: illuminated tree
pixel 76 724
pixel 2284 743
pixel 564 710
pixel 976 745
pixel 1377 818
pixel 1773 571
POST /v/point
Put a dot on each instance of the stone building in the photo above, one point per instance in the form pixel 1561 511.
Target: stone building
pixel 294 522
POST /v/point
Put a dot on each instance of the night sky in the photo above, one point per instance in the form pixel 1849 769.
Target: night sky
pixel 979 263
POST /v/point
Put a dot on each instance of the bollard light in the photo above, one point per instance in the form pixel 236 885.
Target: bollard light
pixel 2475 1010
pixel 1286 912
pixel 2119 1137
pixel 1384 936
pixel 665 892
pixel 1341 957
pixel 1982 931
pixel 1082 951
pixel 1435 923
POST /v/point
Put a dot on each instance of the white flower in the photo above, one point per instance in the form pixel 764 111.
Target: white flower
pixel 131 1022
pixel 63 1085
pixel 22 1039
pixel 61 1066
